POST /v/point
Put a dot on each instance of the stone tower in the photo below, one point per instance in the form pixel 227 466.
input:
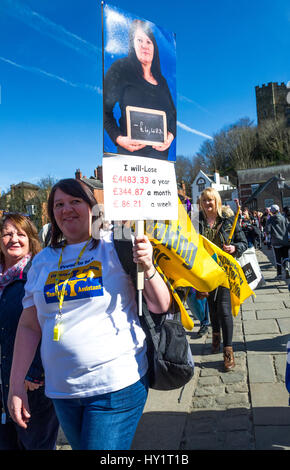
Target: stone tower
pixel 272 102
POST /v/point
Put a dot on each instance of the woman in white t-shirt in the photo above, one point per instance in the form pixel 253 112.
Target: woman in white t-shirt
pixel 82 306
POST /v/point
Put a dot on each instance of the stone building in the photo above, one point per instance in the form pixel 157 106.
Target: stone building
pixel 22 197
pixel 272 101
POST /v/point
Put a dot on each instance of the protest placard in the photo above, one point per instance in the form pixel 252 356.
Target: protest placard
pixel 139 188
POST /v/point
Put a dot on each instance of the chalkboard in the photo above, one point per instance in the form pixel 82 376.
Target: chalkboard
pixel 147 126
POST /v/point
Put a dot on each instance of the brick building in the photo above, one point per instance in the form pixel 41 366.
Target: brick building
pixel 95 183
pixel 258 187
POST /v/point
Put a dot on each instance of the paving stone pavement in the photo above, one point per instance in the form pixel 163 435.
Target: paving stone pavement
pixel 244 409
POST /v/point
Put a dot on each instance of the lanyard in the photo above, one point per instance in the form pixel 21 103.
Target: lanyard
pixel 60 294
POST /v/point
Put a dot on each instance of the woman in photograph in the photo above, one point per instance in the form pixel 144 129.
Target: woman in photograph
pixel 216 225
pixel 82 305
pixel 19 244
pixel 136 80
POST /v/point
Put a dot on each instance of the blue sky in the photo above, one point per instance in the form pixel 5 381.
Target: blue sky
pixel 51 75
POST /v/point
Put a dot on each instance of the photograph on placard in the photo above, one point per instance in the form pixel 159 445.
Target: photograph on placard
pixel 139 88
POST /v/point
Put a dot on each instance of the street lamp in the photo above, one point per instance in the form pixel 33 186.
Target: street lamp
pixel 280 184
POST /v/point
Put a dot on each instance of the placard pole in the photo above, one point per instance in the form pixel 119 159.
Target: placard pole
pixel 140 271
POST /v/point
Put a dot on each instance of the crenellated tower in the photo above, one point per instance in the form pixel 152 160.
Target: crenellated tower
pixel 272 101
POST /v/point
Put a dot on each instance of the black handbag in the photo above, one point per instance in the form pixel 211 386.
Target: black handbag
pixel 170 362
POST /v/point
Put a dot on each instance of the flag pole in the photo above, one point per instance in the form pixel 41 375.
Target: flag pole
pixel 140 271
pixel 234 224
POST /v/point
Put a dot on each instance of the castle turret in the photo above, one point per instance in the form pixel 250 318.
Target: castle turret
pixel 271 101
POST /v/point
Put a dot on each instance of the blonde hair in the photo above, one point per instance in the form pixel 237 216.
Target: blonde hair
pixel 213 194
pixel 228 211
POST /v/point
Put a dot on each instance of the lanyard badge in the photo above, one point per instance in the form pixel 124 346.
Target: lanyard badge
pixel 57 330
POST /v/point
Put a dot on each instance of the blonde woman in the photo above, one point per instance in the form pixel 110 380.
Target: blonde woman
pixel 216 225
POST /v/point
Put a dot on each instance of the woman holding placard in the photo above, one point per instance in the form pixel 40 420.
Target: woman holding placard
pixel 136 81
pixel 82 305
pixel 216 226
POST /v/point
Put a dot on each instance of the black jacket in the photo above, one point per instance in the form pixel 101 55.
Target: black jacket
pixel 224 227
pixel 10 311
pixel 123 86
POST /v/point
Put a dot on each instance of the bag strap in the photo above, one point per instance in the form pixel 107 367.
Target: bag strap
pixel 124 252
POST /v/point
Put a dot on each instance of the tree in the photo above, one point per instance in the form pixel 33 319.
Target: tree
pixel 184 170
pixel 274 137
pixel 45 184
pixel 244 145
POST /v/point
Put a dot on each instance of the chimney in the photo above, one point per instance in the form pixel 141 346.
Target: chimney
pixel 78 174
pixel 100 173
pixel 216 177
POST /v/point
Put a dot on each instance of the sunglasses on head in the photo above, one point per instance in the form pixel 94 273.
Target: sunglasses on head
pixel 15 213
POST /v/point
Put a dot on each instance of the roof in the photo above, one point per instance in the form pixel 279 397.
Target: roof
pixel 264 186
pixel 223 179
pixel 93 182
pixel 226 193
pixel 261 175
pixel 26 185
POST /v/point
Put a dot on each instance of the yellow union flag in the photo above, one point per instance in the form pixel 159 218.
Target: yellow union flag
pixel 184 258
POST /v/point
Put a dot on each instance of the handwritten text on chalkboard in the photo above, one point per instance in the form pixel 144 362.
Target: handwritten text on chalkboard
pixel 147 126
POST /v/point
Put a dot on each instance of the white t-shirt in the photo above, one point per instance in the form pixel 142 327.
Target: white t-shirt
pixel 102 346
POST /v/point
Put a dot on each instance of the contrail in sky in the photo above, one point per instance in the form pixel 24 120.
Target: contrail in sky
pixel 71 40
pixel 189 100
pixel 57 32
pixel 45 26
pixel 28 68
pixel 193 131
pixel 84 86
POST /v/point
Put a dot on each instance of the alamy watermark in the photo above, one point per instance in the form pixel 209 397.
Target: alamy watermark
pixel 123 230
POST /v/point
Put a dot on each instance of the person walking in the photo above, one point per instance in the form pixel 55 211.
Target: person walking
pixel 198 306
pixel 215 225
pixel 277 228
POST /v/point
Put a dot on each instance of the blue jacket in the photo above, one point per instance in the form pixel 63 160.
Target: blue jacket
pixel 10 311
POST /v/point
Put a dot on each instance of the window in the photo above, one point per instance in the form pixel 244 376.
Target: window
pixel 200 184
pixel 254 187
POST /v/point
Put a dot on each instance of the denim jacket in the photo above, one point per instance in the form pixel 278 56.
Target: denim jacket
pixel 10 311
